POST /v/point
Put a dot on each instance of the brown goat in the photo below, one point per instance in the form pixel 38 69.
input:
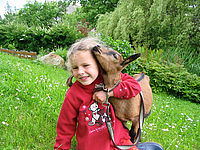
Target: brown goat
pixel 126 110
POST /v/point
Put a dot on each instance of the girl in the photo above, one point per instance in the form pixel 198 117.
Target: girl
pixel 82 112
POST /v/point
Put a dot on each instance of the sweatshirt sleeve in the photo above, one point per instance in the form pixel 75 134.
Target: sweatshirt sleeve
pixel 66 125
pixel 128 87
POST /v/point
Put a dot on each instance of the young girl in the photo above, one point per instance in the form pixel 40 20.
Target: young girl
pixel 82 112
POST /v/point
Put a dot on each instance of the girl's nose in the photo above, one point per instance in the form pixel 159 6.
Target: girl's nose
pixel 80 70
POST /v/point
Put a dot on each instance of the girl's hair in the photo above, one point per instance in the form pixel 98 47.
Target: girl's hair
pixel 84 44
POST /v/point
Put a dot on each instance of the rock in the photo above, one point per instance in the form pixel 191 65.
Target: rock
pixel 53 59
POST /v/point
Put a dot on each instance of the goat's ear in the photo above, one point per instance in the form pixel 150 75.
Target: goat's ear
pixel 130 59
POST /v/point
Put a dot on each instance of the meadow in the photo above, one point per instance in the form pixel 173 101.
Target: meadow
pixel 31 96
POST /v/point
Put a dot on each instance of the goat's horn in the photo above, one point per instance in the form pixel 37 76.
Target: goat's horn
pixel 130 59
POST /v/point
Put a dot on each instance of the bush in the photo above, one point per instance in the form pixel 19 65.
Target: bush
pixel 62 52
pixel 12 34
pixel 36 38
pixel 172 78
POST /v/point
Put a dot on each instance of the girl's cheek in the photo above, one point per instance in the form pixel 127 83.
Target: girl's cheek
pixel 74 73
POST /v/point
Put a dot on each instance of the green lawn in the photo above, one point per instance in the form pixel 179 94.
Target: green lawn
pixel 174 123
pixel 31 95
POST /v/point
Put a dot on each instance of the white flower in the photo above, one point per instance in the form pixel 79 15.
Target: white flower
pixel 188 118
pixel 165 129
pixel 5 123
pixel 151 124
pixel 182 130
pixel 18 90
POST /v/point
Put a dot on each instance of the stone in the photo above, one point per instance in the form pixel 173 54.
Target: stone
pixel 53 59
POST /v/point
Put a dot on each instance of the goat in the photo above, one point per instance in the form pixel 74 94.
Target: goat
pixel 112 64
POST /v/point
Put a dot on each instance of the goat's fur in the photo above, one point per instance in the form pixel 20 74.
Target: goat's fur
pixel 126 110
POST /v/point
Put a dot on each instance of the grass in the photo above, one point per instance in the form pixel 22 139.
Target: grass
pixel 174 123
pixel 31 95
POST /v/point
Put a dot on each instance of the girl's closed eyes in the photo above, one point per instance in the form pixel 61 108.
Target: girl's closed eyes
pixel 86 65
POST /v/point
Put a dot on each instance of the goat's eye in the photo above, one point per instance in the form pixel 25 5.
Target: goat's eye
pixel 115 56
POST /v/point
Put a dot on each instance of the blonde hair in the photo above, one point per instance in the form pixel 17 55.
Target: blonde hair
pixel 84 44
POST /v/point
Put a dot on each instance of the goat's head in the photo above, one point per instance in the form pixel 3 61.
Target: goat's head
pixel 110 60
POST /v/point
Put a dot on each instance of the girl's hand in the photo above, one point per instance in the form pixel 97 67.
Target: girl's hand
pixel 100 96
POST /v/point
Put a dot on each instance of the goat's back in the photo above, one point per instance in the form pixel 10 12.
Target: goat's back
pixel 128 109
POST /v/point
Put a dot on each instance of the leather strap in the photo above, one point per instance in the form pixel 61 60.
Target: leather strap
pixel 101 86
pixel 110 128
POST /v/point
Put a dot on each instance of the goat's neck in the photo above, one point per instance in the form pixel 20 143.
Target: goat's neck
pixel 111 79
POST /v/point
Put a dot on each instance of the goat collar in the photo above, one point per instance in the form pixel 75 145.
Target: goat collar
pixel 101 86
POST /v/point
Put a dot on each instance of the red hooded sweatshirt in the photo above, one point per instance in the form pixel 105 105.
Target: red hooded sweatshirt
pixel 82 116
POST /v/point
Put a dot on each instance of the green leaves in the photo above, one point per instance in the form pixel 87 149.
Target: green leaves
pixel 44 15
pixel 175 79
pixel 36 38
pixel 95 7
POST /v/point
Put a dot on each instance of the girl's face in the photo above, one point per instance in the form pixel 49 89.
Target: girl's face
pixel 84 67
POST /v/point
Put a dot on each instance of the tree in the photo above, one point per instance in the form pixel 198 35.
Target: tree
pixel 10 14
pixel 44 15
pixel 95 7
pixel 154 23
pixel 8 8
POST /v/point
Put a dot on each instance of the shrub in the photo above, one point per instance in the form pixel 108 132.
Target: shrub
pixel 172 78
pixel 12 34
pixel 36 37
pixel 62 35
